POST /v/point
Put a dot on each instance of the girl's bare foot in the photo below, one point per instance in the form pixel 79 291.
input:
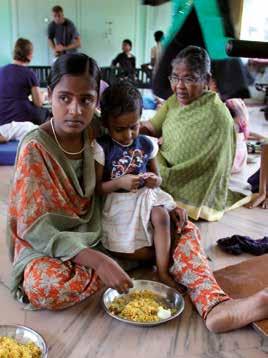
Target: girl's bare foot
pixel 237 313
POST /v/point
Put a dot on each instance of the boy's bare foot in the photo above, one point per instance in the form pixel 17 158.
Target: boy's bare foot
pixel 233 314
pixel 169 281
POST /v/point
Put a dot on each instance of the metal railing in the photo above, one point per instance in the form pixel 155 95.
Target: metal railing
pixel 109 75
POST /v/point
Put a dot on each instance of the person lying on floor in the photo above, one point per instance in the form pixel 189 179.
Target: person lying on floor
pixel 15 131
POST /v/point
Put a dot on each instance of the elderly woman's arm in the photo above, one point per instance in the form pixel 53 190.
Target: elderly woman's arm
pixel 148 129
pixel 153 127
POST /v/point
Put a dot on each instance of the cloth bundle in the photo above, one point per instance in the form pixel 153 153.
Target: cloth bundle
pixel 238 244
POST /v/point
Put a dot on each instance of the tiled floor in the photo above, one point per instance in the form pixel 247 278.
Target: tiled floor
pixel 86 331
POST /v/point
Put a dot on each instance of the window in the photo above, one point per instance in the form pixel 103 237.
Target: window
pixel 254 25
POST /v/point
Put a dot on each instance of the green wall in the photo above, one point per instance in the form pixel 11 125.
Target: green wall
pixel 103 24
pixel 158 18
pixel 6 31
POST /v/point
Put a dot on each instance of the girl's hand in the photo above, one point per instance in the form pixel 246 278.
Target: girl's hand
pixel 112 275
pixel 129 182
pixel 180 218
pixel 151 180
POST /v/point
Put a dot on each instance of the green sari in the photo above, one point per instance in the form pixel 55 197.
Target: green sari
pixel 197 155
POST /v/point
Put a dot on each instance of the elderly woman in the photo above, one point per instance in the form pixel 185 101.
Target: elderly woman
pixel 198 140
pixel 17 82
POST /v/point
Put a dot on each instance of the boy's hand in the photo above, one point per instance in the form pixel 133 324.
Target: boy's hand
pixel 160 141
pixel 129 182
pixel 151 180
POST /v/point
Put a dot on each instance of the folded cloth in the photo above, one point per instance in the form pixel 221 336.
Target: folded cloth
pixel 237 244
pixel 254 181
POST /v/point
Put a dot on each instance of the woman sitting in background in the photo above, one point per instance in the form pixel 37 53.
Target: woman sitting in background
pixel 199 140
pixel 17 82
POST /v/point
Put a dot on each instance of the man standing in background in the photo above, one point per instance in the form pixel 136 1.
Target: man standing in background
pixel 156 51
pixel 63 36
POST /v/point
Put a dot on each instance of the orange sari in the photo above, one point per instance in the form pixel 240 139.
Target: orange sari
pixel 50 213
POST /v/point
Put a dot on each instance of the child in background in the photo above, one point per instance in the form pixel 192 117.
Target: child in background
pixel 136 211
pixel 126 61
pixel 259 180
pixel 239 113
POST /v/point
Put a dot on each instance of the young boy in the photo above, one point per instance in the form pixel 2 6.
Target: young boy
pixel 126 60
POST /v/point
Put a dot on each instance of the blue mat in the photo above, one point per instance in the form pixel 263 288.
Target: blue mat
pixel 149 102
pixel 8 152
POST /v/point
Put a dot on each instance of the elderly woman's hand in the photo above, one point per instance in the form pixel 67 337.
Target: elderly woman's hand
pixel 180 218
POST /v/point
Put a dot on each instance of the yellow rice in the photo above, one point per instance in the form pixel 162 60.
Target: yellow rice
pixel 10 348
pixel 138 306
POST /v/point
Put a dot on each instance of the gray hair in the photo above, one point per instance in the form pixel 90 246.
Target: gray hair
pixel 196 58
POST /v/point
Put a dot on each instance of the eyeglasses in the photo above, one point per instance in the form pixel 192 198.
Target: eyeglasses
pixel 174 80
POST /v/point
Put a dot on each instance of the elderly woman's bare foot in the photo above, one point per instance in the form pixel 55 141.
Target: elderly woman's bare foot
pixel 233 314
pixel 261 200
